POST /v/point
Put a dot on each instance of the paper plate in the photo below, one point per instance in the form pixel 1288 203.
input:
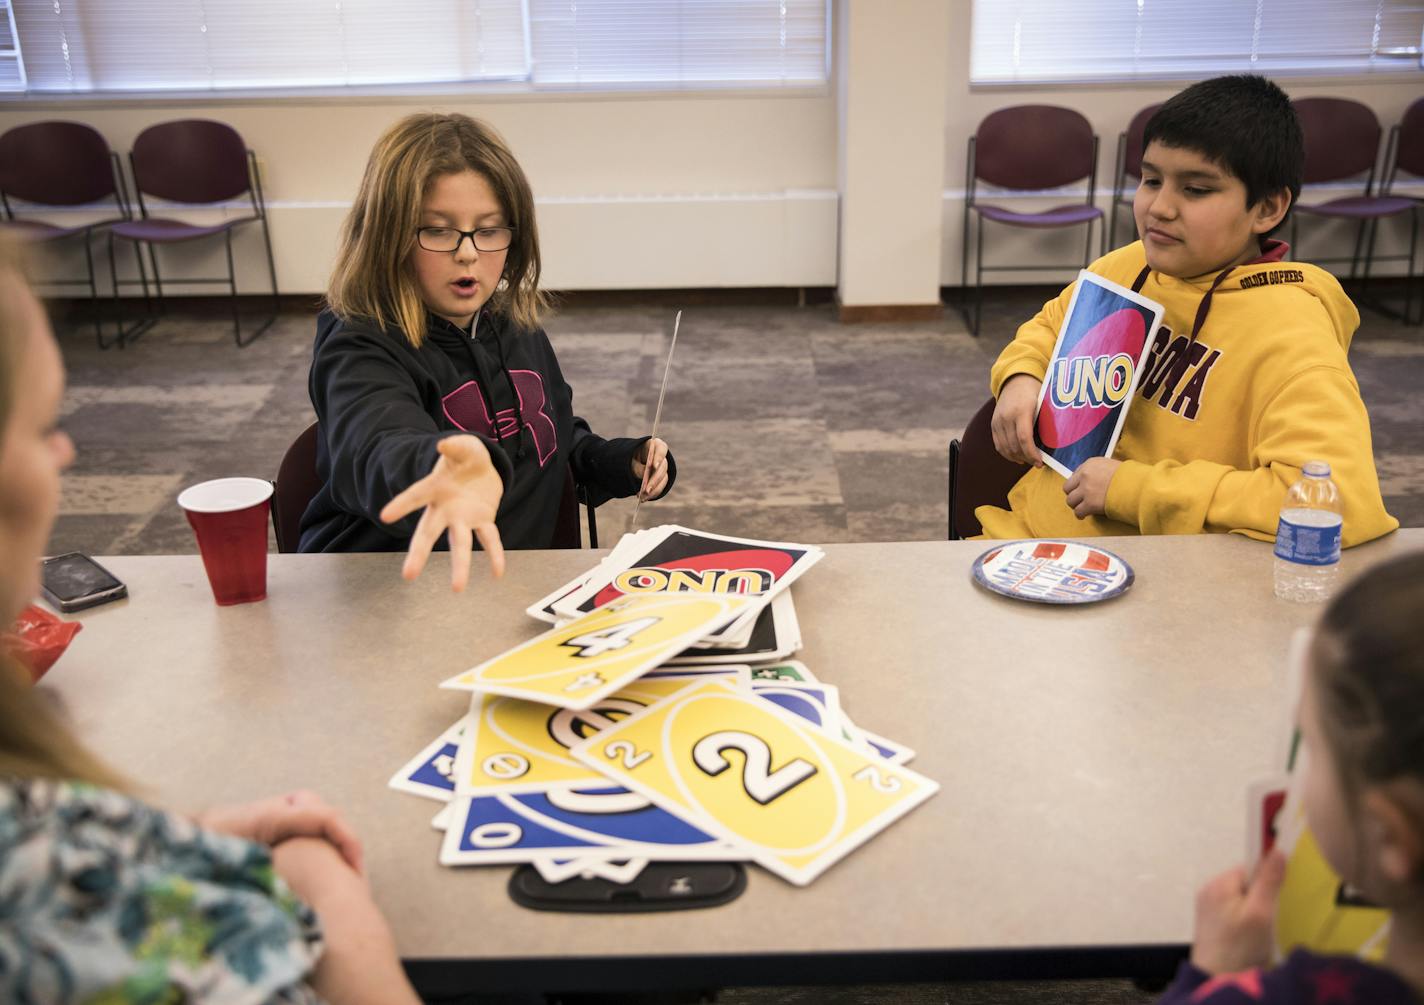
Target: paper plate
pixel 1053 572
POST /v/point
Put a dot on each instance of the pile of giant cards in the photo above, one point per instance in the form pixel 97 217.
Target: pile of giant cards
pixel 659 720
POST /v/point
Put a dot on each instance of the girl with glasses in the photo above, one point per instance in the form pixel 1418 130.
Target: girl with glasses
pixel 441 406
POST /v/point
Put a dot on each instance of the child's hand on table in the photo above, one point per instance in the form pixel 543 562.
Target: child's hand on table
pixel 1012 424
pixel 460 495
pixel 280 818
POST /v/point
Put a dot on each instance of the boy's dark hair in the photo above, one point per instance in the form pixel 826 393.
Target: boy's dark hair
pixel 1242 122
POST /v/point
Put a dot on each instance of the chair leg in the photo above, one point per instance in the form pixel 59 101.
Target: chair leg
pixel 1409 274
pixel 157 280
pixel 1088 246
pixel 978 280
pixel 1110 231
pixel 232 285
pixel 95 314
pixel 125 335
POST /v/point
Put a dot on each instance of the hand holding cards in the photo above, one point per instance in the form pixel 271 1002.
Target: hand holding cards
pixel 1093 372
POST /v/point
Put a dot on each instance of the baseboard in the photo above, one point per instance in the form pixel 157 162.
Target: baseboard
pixel 854 314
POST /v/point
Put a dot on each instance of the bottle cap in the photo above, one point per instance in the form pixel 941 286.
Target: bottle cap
pixel 1316 469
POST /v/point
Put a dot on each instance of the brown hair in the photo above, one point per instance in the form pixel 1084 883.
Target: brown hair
pixel 371 280
pixel 34 742
pixel 1367 661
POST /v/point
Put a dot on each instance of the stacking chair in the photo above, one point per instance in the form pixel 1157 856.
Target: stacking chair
pixel 48 164
pixel 297 483
pixel 1342 139
pixel 978 475
pixel 193 162
pixel 1129 165
pixel 1405 153
pixel 1027 148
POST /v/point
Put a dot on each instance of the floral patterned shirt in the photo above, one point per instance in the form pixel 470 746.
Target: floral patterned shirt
pixel 107 901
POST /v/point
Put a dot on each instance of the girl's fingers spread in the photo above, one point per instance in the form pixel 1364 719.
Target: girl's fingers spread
pixel 489 540
pixel 427 532
pixel 407 502
pixel 460 549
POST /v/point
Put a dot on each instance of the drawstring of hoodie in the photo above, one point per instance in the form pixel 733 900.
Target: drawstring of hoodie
pixel 514 391
pixel 1202 308
pixel 469 344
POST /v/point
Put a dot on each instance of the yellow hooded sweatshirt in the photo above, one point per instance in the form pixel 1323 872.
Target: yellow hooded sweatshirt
pixel 1221 424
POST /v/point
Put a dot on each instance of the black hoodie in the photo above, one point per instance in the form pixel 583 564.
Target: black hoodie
pixel 382 407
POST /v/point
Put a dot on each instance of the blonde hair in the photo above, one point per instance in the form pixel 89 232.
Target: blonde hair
pixel 34 741
pixel 372 281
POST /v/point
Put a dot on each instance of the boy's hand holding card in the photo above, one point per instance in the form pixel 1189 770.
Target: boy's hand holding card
pixel 1093 372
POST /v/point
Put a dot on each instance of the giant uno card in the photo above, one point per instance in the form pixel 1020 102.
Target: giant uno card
pixel 591 657
pixel 523 746
pixel 677 560
pixel 795 798
pixel 1093 372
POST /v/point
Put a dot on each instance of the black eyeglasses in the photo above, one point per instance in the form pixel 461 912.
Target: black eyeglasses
pixel 486 239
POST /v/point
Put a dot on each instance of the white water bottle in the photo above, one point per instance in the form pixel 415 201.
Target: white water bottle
pixel 1308 537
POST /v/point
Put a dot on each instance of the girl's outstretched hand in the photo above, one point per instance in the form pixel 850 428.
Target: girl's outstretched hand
pixel 460 496
pixel 650 466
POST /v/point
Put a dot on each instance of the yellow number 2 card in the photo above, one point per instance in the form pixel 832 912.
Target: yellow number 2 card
pixel 577 664
pixel 731 763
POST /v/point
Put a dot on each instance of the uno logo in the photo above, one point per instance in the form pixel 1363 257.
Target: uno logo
pixel 1091 381
pixel 1086 388
pixel 693 581
pixel 745 570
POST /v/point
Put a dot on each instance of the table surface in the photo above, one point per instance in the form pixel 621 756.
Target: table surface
pixel 1092 760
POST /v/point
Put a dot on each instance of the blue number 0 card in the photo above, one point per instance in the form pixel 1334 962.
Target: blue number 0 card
pixel 1093 372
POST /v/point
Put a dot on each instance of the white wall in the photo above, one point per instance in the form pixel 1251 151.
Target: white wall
pixel 668 190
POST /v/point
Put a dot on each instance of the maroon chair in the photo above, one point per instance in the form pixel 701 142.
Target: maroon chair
pixel 978 475
pixel 297 482
pixel 194 162
pixel 1405 152
pixel 1027 148
pixel 1129 165
pixel 48 164
pixel 1342 141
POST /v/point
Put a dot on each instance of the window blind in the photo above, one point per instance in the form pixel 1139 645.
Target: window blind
pixel 86 46
pixel 678 42
pixel 156 45
pixel 1049 41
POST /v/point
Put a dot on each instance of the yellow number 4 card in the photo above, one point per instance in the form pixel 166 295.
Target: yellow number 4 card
pixel 589 658
pixel 795 799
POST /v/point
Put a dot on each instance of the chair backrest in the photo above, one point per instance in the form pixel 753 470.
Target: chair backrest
pixel 1033 147
pixel 297 483
pixel 1409 145
pixel 1132 141
pixel 190 160
pixel 566 524
pixel 978 474
pixel 1342 138
pixel 56 164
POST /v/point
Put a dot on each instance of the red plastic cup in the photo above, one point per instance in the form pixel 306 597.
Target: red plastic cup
pixel 229 517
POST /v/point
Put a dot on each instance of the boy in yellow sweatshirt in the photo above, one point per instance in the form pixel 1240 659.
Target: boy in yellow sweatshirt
pixel 1248 377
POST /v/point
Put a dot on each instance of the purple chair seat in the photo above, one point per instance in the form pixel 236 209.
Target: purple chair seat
pixel 38 230
pixel 1059 216
pixel 1361 207
pixel 157 230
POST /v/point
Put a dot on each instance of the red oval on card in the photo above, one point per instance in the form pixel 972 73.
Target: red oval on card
pixel 1121 331
pixel 775 562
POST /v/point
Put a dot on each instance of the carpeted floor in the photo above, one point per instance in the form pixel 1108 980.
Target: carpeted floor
pixel 785 424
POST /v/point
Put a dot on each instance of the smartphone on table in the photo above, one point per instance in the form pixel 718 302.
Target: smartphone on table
pixel 75 581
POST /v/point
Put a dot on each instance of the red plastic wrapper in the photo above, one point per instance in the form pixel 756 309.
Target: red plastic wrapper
pixel 38 638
